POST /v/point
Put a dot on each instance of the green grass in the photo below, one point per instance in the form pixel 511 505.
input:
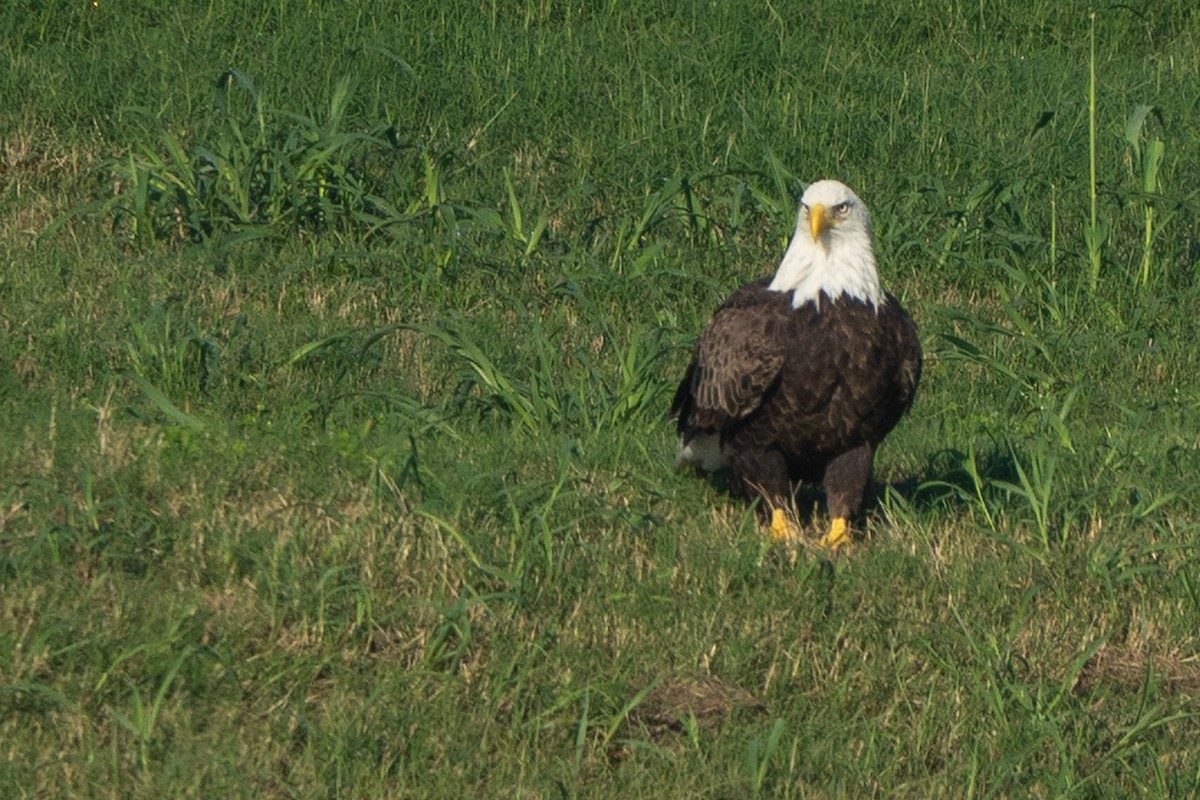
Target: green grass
pixel 336 350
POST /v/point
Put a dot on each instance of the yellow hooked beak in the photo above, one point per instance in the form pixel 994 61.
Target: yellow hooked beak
pixel 818 220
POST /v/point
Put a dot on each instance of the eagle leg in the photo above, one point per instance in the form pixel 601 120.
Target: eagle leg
pixel 846 480
pixel 764 474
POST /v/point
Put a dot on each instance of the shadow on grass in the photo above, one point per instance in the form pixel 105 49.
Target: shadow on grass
pixel 950 479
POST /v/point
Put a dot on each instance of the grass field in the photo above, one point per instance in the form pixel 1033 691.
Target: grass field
pixel 337 344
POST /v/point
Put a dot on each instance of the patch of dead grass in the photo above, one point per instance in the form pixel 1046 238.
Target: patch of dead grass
pixel 37 170
pixel 676 702
pixel 1128 667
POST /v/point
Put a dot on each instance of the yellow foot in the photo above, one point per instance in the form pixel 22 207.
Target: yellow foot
pixel 839 534
pixel 782 529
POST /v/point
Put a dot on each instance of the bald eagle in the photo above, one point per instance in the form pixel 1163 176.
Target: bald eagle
pixel 799 377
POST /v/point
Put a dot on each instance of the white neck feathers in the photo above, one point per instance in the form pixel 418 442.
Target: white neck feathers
pixel 839 260
pixel 808 271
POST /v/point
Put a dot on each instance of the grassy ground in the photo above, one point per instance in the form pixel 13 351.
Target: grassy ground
pixel 338 340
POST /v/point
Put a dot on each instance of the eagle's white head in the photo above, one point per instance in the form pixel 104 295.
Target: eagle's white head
pixel 831 251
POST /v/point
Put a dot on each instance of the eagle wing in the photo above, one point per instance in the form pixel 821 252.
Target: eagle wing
pixel 908 357
pixel 738 361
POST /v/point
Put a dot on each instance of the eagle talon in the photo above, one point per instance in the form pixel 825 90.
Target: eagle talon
pixel 782 528
pixel 838 536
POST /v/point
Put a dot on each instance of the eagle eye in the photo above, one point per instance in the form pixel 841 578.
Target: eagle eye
pixel 843 208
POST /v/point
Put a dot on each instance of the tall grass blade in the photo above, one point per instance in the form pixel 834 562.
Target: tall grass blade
pixel 172 412
pixel 1094 235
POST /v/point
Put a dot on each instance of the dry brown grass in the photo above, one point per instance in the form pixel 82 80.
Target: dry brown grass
pixel 38 175
pixel 1130 667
